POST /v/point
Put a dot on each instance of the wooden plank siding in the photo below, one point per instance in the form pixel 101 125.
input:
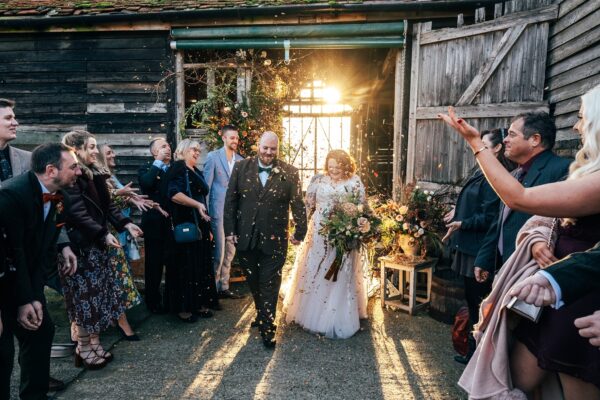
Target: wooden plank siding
pixel 103 82
pixel 573 65
pixel 491 71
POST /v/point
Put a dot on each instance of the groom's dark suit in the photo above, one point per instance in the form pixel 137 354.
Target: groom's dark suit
pixel 259 217
pixel 32 242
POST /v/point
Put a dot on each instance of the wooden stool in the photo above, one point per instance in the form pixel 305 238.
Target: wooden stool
pixel 396 295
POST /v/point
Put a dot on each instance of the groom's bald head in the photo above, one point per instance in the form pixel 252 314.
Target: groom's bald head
pixel 268 147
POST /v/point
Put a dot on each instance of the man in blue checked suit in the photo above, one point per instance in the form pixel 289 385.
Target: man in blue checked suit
pixel 217 171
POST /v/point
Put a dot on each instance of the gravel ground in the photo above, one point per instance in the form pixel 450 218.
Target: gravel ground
pixel 393 356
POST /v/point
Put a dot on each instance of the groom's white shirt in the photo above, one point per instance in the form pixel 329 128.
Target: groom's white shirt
pixel 263 176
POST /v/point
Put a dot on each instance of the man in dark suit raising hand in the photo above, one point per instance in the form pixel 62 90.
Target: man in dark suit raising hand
pixel 260 194
pixel 32 209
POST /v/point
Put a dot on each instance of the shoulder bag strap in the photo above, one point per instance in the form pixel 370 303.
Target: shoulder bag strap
pixel 189 193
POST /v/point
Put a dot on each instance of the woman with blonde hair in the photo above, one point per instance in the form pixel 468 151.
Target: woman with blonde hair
pixel 328 307
pixel 553 345
pixel 93 300
pixel 192 290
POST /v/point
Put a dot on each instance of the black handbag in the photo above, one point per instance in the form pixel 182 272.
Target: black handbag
pixel 187 232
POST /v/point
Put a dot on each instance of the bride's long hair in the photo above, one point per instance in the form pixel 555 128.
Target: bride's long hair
pixel 346 162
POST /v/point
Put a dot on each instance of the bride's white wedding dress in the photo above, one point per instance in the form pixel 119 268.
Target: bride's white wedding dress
pixel 319 305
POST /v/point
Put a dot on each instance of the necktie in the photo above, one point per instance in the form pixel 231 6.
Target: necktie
pixel 5 169
pixel 267 169
pixel 55 198
pixel 519 174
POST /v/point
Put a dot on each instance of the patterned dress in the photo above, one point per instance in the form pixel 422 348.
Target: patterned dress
pixel 118 259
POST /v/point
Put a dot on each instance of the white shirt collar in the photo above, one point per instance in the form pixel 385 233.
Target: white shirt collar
pixel 44 188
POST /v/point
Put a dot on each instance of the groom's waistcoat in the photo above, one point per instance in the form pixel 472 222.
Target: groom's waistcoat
pixel 259 215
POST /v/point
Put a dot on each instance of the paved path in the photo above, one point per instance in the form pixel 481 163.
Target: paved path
pixel 394 356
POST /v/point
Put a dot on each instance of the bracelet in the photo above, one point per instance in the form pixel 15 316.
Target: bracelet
pixel 480 150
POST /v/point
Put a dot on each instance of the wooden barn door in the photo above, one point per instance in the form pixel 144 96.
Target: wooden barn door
pixel 490 71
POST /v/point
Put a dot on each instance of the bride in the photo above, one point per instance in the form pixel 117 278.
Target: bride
pixel 318 305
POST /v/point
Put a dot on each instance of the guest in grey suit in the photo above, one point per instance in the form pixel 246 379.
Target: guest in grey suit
pixel 217 171
pixel 13 161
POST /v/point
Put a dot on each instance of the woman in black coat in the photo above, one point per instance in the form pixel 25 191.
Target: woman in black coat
pixel 192 288
pixel 476 208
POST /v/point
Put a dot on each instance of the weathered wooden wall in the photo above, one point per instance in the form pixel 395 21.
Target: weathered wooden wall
pixel 573 64
pixel 490 71
pixel 106 83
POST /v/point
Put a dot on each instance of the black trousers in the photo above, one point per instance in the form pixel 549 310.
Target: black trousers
pixel 475 292
pixel 157 248
pixel 263 274
pixel 34 356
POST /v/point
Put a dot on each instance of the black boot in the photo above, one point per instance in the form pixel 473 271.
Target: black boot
pixel 472 345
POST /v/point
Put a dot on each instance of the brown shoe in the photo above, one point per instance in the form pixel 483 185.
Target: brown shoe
pixel 54 385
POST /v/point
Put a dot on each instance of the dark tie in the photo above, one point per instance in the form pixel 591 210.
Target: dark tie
pixel 5 169
pixel 55 198
pixel 267 169
pixel 519 175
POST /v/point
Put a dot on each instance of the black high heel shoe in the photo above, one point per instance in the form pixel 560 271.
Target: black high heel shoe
pixel 129 338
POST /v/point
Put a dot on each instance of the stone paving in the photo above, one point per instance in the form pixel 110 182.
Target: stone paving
pixel 394 356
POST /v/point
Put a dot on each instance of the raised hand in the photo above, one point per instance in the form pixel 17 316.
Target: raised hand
pixel 127 191
pixel 203 213
pixel 449 215
pixel 69 265
pixel 589 327
pixel 460 125
pixel 27 317
pixel 535 290
pixel 134 230
pixel 481 275
pixel 452 227
pixel 112 241
pixel 542 254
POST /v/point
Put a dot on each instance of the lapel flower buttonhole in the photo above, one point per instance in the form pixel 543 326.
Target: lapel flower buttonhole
pixel 276 170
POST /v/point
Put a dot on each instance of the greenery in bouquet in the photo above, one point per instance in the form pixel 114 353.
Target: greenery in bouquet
pixel 348 225
pixel 420 217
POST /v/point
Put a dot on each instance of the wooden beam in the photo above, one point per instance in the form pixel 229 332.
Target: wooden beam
pixel 498 10
pixel 398 116
pixel 494 110
pixel 525 17
pixel 179 95
pixel 480 15
pixel 573 62
pixel 387 68
pixel 583 41
pixel 114 108
pixel 577 14
pixel 109 88
pixel 412 114
pixel 489 66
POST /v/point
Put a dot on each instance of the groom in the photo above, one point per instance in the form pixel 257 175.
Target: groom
pixel 260 193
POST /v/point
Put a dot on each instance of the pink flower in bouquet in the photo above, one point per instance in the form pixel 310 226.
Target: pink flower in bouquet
pixel 364 225
pixel 349 208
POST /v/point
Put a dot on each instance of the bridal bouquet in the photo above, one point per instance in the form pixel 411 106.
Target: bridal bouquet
pixel 348 225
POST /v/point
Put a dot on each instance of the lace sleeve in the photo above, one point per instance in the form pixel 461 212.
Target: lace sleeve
pixel 311 195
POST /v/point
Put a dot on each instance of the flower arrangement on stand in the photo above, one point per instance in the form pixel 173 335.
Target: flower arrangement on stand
pixel 414 227
pixel 348 225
